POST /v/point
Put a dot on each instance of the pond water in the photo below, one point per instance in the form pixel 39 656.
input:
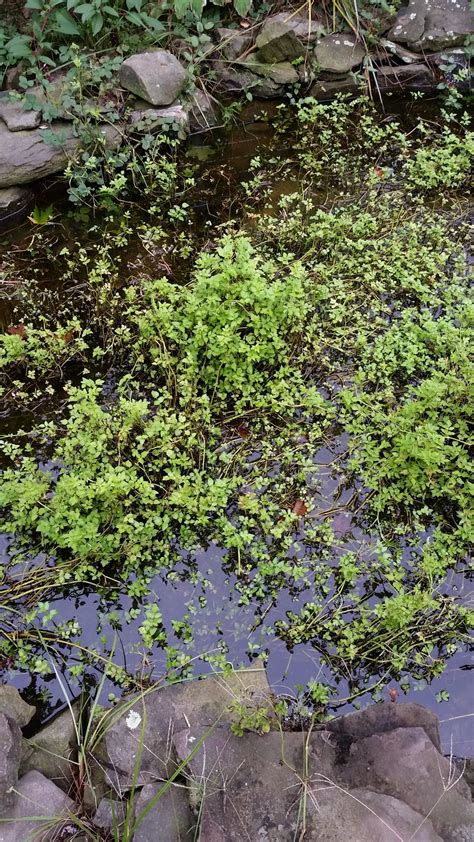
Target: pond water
pixel 203 590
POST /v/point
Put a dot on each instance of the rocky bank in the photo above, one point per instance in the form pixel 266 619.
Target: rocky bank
pixel 377 774
pixel 416 50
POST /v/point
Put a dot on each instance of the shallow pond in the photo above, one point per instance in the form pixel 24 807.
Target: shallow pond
pixel 200 601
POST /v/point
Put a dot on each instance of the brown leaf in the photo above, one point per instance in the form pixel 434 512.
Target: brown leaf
pixel 68 336
pixel 393 693
pixel 299 508
pixel 17 330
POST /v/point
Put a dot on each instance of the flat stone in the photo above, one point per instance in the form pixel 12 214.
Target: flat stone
pixel 157 77
pixel 15 116
pixel 38 797
pixel 52 749
pixel 282 73
pixel 413 76
pixel 404 763
pixel 29 155
pixel 170 813
pixel 339 53
pixel 384 717
pixel 327 89
pixel 433 24
pixel 169 709
pixel 233 42
pixel 392 48
pixel 150 119
pixel 11 702
pixel 360 815
pixel 250 784
pixel 202 111
pixel 232 80
pixel 10 756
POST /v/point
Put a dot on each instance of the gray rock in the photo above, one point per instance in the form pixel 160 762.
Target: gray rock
pixel 286 36
pixel 324 89
pixel 339 53
pixel 433 24
pixel 360 815
pixel 11 702
pixel 171 814
pixel 202 111
pixel 463 833
pixel 412 76
pixel 52 749
pixel 250 785
pixel 15 116
pixel 383 717
pixel 39 798
pixel 110 813
pixel 232 80
pixel 232 42
pixel 169 709
pixel 387 47
pixel 405 764
pixel 157 77
pixel 147 118
pixel 282 73
pixel 10 756
pixel 29 155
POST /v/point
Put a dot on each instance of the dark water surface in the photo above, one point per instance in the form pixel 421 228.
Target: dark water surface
pixel 210 599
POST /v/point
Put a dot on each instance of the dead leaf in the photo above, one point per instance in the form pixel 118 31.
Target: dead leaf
pixel 17 330
pixel 299 508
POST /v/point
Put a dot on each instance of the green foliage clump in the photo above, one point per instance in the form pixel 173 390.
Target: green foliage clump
pixel 230 333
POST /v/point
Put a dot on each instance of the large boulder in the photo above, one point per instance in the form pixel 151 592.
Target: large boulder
pixel 157 77
pixel 250 784
pixel 37 813
pixel 405 764
pixel 360 815
pixel 433 24
pixel 10 756
pixel 167 710
pixel 339 53
pixel 29 155
pixel 15 116
pixel 381 718
pixel 11 702
pixel 53 748
pixel 286 36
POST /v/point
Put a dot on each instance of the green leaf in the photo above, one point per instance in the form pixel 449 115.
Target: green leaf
pixel 97 22
pixel 34 4
pixel 134 5
pixel 110 11
pixel 197 6
pixel 242 7
pixel 180 8
pixel 66 24
pixel 18 47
